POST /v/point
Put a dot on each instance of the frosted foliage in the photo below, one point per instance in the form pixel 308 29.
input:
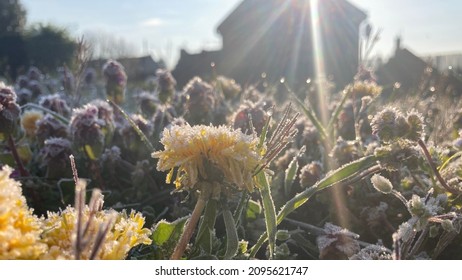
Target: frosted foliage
pixel 338 238
pixel 373 252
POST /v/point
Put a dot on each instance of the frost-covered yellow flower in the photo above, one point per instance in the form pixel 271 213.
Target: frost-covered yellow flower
pixel 200 152
pixel 124 234
pixel 127 233
pixel 19 228
pixel 29 120
pixel 363 88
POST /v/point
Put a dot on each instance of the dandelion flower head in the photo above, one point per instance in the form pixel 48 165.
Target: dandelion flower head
pixel 194 149
pixel 19 228
pixel 364 88
pixel 125 233
pixel 29 120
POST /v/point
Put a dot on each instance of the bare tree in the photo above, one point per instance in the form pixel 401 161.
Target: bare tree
pixel 106 45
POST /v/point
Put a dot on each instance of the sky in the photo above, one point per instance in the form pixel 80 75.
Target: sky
pixel 162 27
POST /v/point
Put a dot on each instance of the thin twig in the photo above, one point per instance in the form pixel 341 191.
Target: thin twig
pixel 316 230
pixel 79 206
pixel 419 241
pixel 101 235
pixel 74 169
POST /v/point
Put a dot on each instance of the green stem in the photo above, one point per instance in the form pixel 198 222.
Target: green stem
pixel 204 233
pixel 190 226
pixel 240 207
pixel 420 241
pixel 22 171
pixel 399 196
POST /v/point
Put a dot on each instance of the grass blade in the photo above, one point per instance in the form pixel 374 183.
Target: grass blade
pixel 337 111
pixel 54 114
pixel 345 172
pixel 443 166
pixel 135 127
pixel 310 114
pixel 232 240
pixel 205 232
pixel 290 174
pixel 269 211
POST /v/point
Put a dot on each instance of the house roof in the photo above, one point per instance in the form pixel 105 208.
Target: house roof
pixel 268 8
pixel 404 67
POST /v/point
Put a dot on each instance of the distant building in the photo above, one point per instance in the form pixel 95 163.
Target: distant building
pixel 190 65
pixel 403 67
pixel 444 62
pixel 413 72
pixel 276 37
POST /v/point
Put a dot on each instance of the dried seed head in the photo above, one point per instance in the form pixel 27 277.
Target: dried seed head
pixel 22 82
pixel 384 123
pixel 91 129
pixel 56 103
pixel 147 103
pixel 381 184
pixel 229 87
pixel 166 85
pixel 34 74
pixel 310 174
pixel 398 154
pixel 56 149
pixel 390 124
pixel 345 151
pixel 48 127
pixel 55 157
pixel 250 114
pixel 416 125
pixel 9 110
pixel 24 96
pixel 116 81
pixel 200 103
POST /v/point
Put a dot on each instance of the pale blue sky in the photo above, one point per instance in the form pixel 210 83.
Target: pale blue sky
pixel 426 26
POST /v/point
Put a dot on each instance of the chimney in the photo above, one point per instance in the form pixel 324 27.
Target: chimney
pixel 397 44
